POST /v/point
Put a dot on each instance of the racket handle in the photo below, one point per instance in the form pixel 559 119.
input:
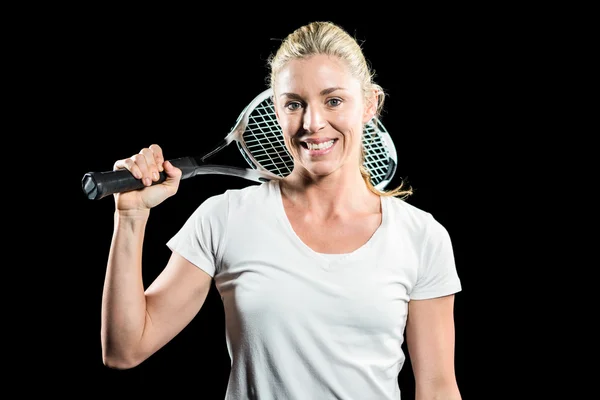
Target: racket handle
pixel 97 185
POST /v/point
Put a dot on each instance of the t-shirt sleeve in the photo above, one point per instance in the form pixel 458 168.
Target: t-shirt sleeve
pixel 437 275
pixel 199 239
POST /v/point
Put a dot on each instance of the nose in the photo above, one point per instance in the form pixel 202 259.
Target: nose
pixel 313 119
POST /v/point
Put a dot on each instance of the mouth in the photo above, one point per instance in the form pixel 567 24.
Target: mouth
pixel 318 148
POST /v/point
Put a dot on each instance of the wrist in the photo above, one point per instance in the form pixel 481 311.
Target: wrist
pixel 133 214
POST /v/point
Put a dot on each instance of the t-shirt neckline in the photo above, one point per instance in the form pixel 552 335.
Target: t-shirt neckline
pixel 327 259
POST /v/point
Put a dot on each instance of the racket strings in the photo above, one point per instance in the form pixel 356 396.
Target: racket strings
pixel 264 140
pixel 376 152
pixel 266 149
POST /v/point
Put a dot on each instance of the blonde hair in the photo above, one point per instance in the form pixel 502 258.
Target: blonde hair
pixel 330 39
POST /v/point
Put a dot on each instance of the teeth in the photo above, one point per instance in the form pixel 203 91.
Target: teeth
pixel 320 146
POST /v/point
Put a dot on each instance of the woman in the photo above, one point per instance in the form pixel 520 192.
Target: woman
pixel 321 275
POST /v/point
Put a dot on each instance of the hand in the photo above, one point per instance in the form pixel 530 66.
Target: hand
pixel 146 166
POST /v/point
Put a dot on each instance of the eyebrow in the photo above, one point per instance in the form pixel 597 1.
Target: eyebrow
pixel 324 92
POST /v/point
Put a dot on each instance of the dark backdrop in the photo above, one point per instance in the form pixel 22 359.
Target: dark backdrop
pixel 130 78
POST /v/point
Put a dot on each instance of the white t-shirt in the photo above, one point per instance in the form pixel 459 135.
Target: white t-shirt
pixel 303 325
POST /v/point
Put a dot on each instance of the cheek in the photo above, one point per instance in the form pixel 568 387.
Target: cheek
pixel 349 124
pixel 286 127
pixel 291 146
pixel 287 131
pixel 350 118
pixel 290 126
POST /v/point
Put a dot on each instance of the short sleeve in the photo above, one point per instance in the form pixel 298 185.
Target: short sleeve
pixel 437 275
pixel 199 239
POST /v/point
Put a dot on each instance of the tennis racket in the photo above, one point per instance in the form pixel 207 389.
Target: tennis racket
pixel 260 141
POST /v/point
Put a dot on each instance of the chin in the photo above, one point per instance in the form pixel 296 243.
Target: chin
pixel 321 169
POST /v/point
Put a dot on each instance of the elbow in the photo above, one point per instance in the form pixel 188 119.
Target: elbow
pixel 120 353
pixel 118 363
pixel 118 360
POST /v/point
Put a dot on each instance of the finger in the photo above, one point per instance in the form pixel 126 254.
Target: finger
pixel 159 158
pixel 130 165
pixel 173 175
pixel 151 165
pixel 140 163
pixel 172 171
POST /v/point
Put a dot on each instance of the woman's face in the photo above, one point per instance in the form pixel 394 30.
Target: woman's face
pixel 321 109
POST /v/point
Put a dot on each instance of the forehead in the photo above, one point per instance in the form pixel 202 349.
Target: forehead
pixel 314 73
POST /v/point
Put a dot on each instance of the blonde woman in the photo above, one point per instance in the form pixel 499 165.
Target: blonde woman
pixel 321 275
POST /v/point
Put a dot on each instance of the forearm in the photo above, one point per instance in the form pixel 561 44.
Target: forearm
pixel 123 299
pixel 439 396
pixel 440 391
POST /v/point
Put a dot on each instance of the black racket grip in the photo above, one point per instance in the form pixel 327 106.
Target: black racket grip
pixel 97 185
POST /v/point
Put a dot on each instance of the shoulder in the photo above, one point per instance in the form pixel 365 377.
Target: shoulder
pixel 250 193
pixel 234 199
pixel 420 222
pixel 409 213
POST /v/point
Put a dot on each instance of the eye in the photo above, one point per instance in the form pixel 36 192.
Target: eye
pixel 334 102
pixel 293 105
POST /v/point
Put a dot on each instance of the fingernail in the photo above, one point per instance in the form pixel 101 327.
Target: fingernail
pixel 155 175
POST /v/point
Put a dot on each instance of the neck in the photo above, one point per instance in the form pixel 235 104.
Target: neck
pixel 332 195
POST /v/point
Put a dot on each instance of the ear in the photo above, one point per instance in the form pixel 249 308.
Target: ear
pixel 371 103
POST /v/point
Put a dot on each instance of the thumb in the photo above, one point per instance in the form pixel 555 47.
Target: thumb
pixel 173 173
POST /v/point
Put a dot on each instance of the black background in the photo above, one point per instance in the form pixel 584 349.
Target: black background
pixel 118 80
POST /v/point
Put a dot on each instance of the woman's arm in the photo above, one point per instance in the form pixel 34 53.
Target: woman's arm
pixel 136 322
pixel 430 342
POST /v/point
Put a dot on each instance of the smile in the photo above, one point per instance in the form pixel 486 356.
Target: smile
pixel 317 149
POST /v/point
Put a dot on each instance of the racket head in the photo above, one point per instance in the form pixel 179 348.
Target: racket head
pixel 260 140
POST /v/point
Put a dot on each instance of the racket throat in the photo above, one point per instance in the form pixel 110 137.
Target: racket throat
pixel 218 148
